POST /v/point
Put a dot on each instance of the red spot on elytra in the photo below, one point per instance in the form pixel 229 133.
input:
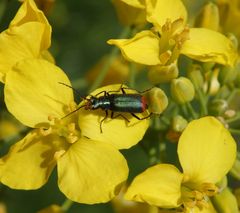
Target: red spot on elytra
pixel 144 103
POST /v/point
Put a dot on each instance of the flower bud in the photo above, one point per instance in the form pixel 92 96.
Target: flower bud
pixel 218 107
pixel 195 75
pixel 157 100
pixel 182 90
pixel 208 66
pixel 235 171
pixel 237 195
pixel 234 40
pixel 51 209
pixel 228 74
pixel 130 13
pixel 225 201
pixel 163 74
pixel 179 123
pixel 209 17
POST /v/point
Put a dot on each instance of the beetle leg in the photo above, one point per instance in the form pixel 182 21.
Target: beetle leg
pixel 140 92
pixel 141 118
pixel 105 93
pixel 101 122
pixel 119 115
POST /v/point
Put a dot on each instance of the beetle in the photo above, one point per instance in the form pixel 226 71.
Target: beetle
pixel 116 103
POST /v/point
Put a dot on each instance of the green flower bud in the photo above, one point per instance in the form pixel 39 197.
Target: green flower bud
pixel 234 40
pixel 195 75
pixel 157 99
pixel 235 171
pixel 163 74
pixel 208 66
pixel 225 201
pixel 209 17
pixel 218 107
pixel 228 74
pixel 182 90
pixel 179 123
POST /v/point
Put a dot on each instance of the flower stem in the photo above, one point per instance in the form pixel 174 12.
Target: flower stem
pixel 191 110
pixel 3 8
pixel 66 205
pixel 235 118
pixel 202 101
pixel 132 74
pixel 234 131
pixel 113 54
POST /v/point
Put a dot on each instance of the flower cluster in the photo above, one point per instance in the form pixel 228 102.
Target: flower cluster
pixel 190 110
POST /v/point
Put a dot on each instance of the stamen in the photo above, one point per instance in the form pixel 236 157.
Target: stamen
pixel 209 189
pixel 51 117
pixel 44 132
pixel 71 127
pixel 72 106
pixel 72 138
pixel 164 57
pixel 59 154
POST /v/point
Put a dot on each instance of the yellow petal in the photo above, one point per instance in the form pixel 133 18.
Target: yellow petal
pixel 143 48
pixel 47 56
pixel 209 46
pixel 158 12
pixel 52 209
pixel 116 131
pixel 32 91
pixel 18 43
pixel 28 12
pixel 130 12
pixel 29 162
pixel 159 185
pixel 91 172
pixel 134 3
pixel 206 150
pixel 208 209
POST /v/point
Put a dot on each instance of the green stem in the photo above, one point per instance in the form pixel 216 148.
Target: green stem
pixel 132 74
pixel 3 8
pixel 113 54
pixel 235 118
pixel 234 131
pixel 184 110
pixel 233 93
pixel 202 101
pixel 66 205
pixel 191 110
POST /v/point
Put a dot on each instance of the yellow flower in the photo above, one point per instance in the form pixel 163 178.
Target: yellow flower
pixel 51 209
pixel 130 12
pixel 229 16
pixel 206 153
pixel 118 71
pixel 39 101
pixel 171 37
pixel 28 36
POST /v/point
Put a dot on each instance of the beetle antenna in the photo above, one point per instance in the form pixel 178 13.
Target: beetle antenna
pixel 73 111
pixel 73 90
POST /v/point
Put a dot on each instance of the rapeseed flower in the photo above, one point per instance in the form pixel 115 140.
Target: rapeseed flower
pixel 74 144
pixel 206 152
pixel 130 12
pixel 28 36
pixel 171 37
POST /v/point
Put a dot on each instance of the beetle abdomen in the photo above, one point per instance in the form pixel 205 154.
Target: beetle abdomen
pixel 127 103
